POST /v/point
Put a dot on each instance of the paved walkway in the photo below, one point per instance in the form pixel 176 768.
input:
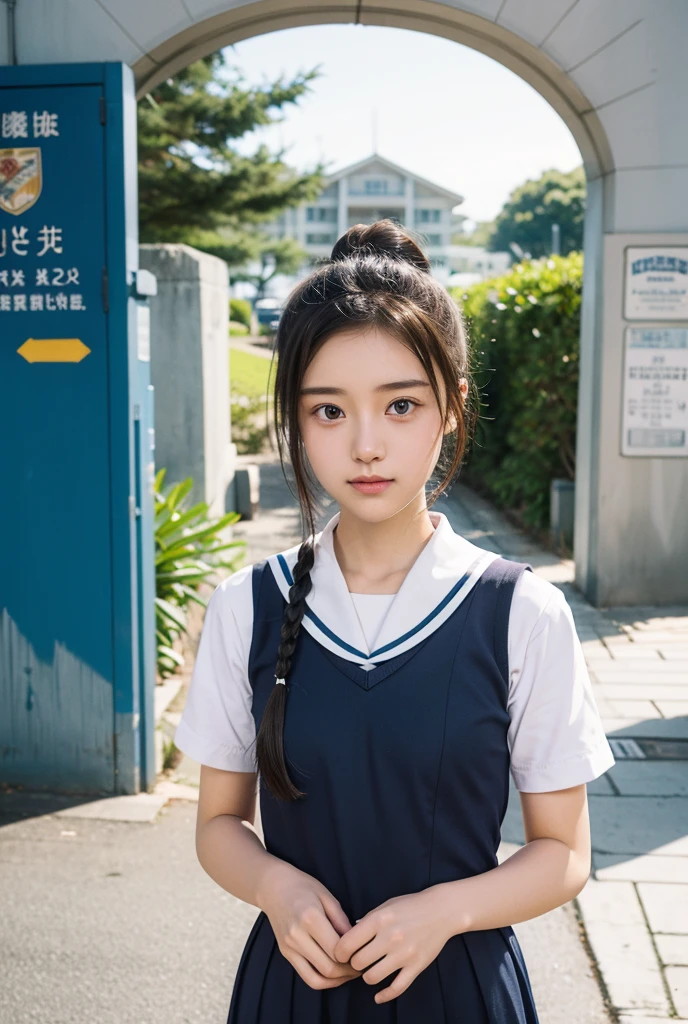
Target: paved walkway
pixel 635 905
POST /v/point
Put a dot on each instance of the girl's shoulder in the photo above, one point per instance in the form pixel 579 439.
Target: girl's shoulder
pixel 535 597
pixel 233 588
pixel 541 623
pixel 234 595
pixel 231 603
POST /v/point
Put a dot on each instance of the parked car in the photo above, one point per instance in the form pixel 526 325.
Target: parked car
pixel 268 312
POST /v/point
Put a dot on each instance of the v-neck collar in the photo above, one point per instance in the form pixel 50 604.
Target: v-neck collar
pixel 444 572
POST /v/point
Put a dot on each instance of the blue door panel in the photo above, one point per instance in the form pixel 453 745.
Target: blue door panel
pixel 56 644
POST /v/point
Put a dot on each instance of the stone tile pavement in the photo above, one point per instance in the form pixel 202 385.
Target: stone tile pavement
pixel 635 905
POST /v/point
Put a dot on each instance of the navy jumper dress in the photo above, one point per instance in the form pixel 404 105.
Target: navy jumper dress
pixel 406 771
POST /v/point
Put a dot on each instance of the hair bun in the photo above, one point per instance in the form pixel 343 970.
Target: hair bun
pixel 382 238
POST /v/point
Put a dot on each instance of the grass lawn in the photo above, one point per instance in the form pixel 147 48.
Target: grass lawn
pixel 248 374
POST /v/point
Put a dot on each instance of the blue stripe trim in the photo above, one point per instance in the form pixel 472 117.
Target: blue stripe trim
pixel 285 569
pixel 395 643
pixel 318 622
pixel 428 618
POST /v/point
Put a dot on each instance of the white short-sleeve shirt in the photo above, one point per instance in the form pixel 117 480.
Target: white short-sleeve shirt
pixel 555 737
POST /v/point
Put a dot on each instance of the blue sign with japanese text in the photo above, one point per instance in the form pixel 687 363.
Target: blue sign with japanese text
pixel 52 231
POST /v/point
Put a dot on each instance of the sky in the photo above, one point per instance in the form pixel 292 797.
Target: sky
pixel 441 110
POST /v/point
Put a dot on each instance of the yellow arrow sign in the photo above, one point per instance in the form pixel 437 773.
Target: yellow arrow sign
pixel 53 350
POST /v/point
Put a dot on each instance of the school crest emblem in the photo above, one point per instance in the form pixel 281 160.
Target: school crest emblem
pixel 21 179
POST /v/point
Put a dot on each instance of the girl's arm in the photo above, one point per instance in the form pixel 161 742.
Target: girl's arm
pixel 548 871
pixel 406 933
pixel 227 846
pixel 306 918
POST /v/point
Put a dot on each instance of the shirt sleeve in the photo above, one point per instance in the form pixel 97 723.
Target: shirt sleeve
pixel 217 726
pixel 556 737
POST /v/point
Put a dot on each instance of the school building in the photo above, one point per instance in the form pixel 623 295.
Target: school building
pixel 374 188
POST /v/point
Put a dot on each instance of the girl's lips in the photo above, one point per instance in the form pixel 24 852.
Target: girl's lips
pixel 371 486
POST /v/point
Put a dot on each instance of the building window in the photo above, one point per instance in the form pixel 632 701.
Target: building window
pixel 320 238
pixel 322 214
pixel 434 239
pixel 376 186
pixel 428 216
pixel 360 185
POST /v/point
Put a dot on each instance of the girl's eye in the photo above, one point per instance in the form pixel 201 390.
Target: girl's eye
pixel 331 411
pixel 406 403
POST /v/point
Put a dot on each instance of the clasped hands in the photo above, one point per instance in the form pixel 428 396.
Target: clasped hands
pixel 403 934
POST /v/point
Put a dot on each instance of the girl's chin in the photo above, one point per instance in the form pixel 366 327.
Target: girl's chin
pixel 371 508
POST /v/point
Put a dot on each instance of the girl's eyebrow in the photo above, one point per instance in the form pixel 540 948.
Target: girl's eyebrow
pixel 394 385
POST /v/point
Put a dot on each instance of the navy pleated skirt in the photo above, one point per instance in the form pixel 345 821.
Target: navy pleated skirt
pixel 406 771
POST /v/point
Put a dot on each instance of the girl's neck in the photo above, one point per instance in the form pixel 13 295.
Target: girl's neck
pixel 375 557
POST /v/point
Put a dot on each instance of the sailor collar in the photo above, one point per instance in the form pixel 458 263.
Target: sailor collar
pixel 443 574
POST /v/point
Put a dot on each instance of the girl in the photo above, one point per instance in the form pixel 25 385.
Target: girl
pixel 384 678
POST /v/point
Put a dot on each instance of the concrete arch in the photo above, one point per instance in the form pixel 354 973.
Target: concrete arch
pixel 528 61
pixel 616 74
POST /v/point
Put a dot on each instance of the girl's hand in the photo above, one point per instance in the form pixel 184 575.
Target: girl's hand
pixel 307 921
pixel 405 933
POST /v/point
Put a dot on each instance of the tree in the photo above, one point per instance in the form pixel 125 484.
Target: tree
pixel 194 187
pixel 531 210
pixel 478 236
pixel 278 256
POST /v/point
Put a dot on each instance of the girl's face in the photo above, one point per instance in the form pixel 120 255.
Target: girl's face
pixel 367 412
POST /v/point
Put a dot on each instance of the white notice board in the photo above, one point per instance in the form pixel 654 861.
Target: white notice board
pixel 655 392
pixel 656 283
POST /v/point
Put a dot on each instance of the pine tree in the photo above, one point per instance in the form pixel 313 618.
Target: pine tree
pixel 194 187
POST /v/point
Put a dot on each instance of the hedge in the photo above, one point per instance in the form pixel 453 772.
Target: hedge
pixel 240 310
pixel 523 335
pixel 236 329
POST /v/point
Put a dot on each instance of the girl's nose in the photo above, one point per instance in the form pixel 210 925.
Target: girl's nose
pixel 367 442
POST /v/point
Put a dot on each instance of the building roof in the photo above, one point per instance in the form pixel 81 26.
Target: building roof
pixel 376 158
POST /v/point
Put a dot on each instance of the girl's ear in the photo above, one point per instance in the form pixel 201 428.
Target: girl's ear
pixel 451 423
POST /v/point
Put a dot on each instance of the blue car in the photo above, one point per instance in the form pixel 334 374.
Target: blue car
pixel 268 312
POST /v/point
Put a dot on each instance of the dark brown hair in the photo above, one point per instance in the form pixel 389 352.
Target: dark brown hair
pixel 377 276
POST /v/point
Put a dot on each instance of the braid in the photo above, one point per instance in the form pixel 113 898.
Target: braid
pixel 295 608
pixel 270 738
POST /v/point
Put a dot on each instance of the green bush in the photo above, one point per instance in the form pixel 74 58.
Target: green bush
pixel 236 328
pixel 251 400
pixel 523 334
pixel 240 310
pixel 250 431
pixel 187 545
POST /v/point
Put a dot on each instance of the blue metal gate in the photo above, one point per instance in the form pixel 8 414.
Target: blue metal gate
pixel 77 653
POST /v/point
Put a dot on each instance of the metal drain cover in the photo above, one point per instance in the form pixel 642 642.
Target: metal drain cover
pixel 627 748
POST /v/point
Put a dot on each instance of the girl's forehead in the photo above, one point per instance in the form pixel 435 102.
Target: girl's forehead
pixel 368 351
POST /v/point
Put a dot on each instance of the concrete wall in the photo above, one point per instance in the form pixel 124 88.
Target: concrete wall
pixel 642 503
pixel 190 370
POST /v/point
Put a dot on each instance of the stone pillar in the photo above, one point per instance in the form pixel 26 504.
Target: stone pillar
pixel 190 371
pixel 631 531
